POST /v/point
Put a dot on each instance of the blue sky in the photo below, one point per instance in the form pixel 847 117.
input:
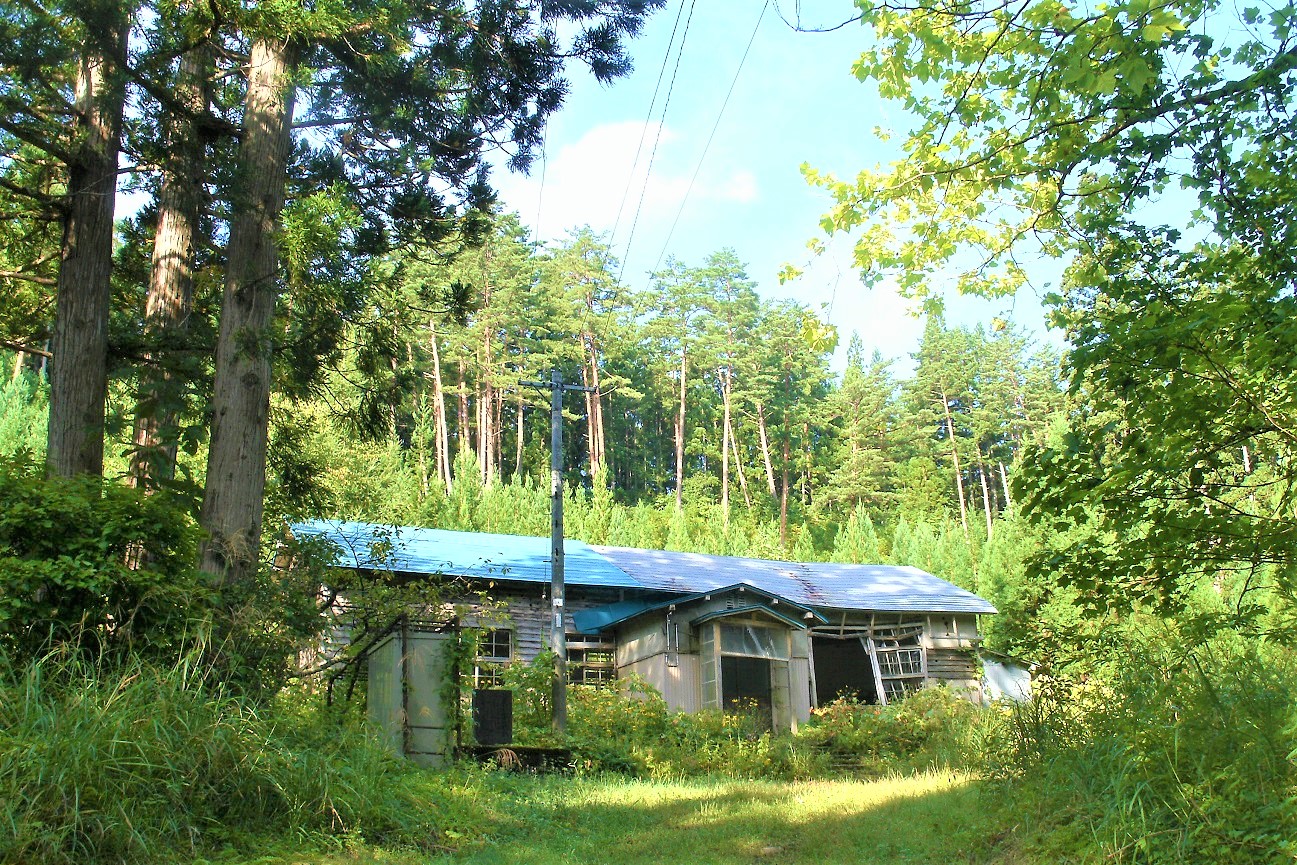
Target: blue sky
pixel 795 101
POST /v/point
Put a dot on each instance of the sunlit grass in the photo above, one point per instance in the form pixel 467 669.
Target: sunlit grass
pixel 930 818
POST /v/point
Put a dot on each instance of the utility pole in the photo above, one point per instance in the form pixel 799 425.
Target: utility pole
pixel 557 633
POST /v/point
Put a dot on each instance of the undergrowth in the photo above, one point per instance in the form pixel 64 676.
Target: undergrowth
pixel 1185 755
pixel 629 729
pixel 141 763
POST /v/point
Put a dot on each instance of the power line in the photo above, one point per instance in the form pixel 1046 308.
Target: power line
pixel 630 177
pixel 657 137
pixel 712 135
pixel 544 163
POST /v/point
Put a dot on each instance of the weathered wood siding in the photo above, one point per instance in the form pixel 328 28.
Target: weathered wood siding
pixel 527 613
pixel 951 631
pixel 954 667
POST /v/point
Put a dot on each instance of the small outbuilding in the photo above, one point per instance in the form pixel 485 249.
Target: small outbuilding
pixel 709 632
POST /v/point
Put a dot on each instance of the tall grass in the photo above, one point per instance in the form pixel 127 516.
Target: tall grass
pixel 1173 755
pixel 143 764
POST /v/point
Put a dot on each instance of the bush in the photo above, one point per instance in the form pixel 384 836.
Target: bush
pixel 94 565
pixel 931 727
pixel 142 763
pixel 1171 755
pixel 630 729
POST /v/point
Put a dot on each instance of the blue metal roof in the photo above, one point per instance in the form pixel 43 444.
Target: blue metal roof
pixel 464 554
pixel 880 588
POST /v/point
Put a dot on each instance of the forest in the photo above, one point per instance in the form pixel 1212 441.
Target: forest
pixel 322 311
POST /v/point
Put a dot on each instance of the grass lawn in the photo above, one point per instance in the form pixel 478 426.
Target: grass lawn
pixel 935 818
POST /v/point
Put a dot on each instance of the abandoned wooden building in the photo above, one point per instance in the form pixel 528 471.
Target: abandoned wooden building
pixel 706 631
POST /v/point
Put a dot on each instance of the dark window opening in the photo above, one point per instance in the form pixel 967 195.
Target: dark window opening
pixel 843 669
pixel 591 660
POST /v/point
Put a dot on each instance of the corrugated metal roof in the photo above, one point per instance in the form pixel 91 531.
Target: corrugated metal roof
pixel 881 588
pixel 464 554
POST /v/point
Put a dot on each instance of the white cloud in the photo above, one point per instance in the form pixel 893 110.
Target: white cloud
pixel 586 183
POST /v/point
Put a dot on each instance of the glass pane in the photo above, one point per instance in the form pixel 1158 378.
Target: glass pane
pixel 751 640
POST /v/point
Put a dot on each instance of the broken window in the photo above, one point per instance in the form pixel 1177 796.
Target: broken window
pixel 898 652
pixel 494 652
pixel 591 660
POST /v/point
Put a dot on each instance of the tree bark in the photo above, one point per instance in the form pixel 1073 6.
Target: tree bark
pixel 680 428
pixel 234 500
pixel 464 433
pixel 738 467
pixel 439 410
pixel 765 449
pixel 725 450
pixel 517 464
pixel 954 455
pixel 783 493
pixel 171 279
pixel 79 369
pixel 986 498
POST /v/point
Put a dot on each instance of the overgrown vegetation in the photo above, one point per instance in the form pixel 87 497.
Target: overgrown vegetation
pixel 1161 752
pixel 146 763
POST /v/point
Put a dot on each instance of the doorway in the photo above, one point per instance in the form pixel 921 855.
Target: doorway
pixel 745 686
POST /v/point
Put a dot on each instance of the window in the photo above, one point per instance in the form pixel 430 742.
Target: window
pixel 753 641
pixel 494 652
pixel 590 660
pixel 898 651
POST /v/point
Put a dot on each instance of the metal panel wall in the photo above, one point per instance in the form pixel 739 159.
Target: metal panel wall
pixel 429 724
pixel 385 708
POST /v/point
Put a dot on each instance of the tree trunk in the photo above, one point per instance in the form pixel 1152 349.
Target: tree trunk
pixel 738 467
pixel 19 358
pixel 954 455
pixel 234 500
pixel 439 410
pixel 517 464
pixel 783 494
pixel 765 449
pixel 986 498
pixel 598 442
pixel 1004 478
pixel 79 371
pixel 463 432
pixel 726 433
pixel 171 279
pixel 680 428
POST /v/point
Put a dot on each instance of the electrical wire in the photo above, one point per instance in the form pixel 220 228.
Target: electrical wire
pixel 657 138
pixel 648 119
pixel 712 135
pixel 540 194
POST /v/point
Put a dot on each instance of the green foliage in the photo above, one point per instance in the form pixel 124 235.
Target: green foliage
pixel 145 763
pixel 95 566
pixel 23 416
pixel 628 728
pixel 1186 756
pixel 932 727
